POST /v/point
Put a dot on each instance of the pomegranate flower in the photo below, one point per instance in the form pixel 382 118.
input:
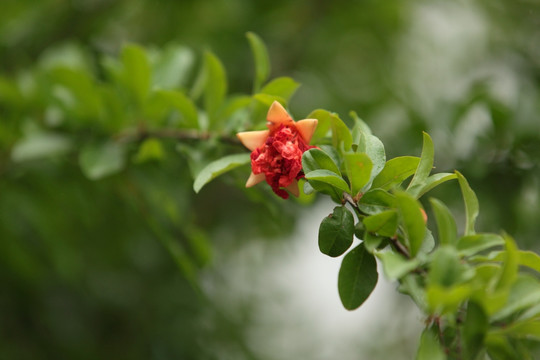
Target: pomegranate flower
pixel 277 152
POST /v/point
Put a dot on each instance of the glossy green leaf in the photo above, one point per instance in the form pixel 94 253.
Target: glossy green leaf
pixel 324 188
pixel 383 224
pixel 358 167
pixel 103 159
pixel 215 86
pixel 336 232
pixel 395 266
pixel 284 87
pixel 472 244
pixel 475 327
pixel 430 348
pixel 359 128
pixel 218 167
pixel 340 133
pixel 375 201
pixel 261 58
pixel 432 182
pixel 316 159
pixel 412 220
pixel 40 145
pixel 357 277
pixel 395 172
pixel 424 166
pixel 137 72
pixel 323 125
pixel 446 224
pixel 375 150
pixel 328 177
pixel 471 204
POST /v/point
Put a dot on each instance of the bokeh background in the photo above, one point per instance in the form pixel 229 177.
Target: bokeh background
pixel 137 266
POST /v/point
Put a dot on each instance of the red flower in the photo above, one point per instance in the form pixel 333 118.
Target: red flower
pixel 277 152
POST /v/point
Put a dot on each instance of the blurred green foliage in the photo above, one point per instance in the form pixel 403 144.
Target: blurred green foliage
pixel 86 265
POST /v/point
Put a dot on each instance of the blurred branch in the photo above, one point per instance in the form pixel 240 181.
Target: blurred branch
pixel 187 134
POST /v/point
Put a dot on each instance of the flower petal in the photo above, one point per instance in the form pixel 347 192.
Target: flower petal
pixel 293 188
pixel 254 179
pixel 253 139
pixel 277 114
pixel 306 128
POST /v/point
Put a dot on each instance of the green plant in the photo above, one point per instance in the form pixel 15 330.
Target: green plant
pixel 142 107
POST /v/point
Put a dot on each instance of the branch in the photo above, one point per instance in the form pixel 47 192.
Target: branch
pixel 187 134
pixel 400 247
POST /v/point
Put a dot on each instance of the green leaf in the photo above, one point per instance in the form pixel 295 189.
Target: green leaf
pixel 528 329
pixel 323 125
pixel 150 149
pixel 424 167
pixel 429 348
pixel 471 204
pixel 431 182
pixel 529 259
pixel 358 167
pixel 472 244
pixel 446 268
pixel 375 201
pixel 40 145
pixel 171 99
pixel 360 127
pixel 499 348
pixel 103 159
pixel 395 266
pixel 336 232
pixel 324 188
pixel 267 99
pixel 218 167
pixel 524 293
pixel 510 266
pixel 447 300
pixel 340 133
pixel 383 224
pixel 445 222
pixel 137 71
pixel 395 172
pixel 328 177
pixel 371 241
pixel 525 258
pixel 412 220
pixel 283 87
pixel 215 87
pixel 261 58
pixel 375 150
pixel 357 277
pixel 316 159
pixel 475 327
pixel 172 66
